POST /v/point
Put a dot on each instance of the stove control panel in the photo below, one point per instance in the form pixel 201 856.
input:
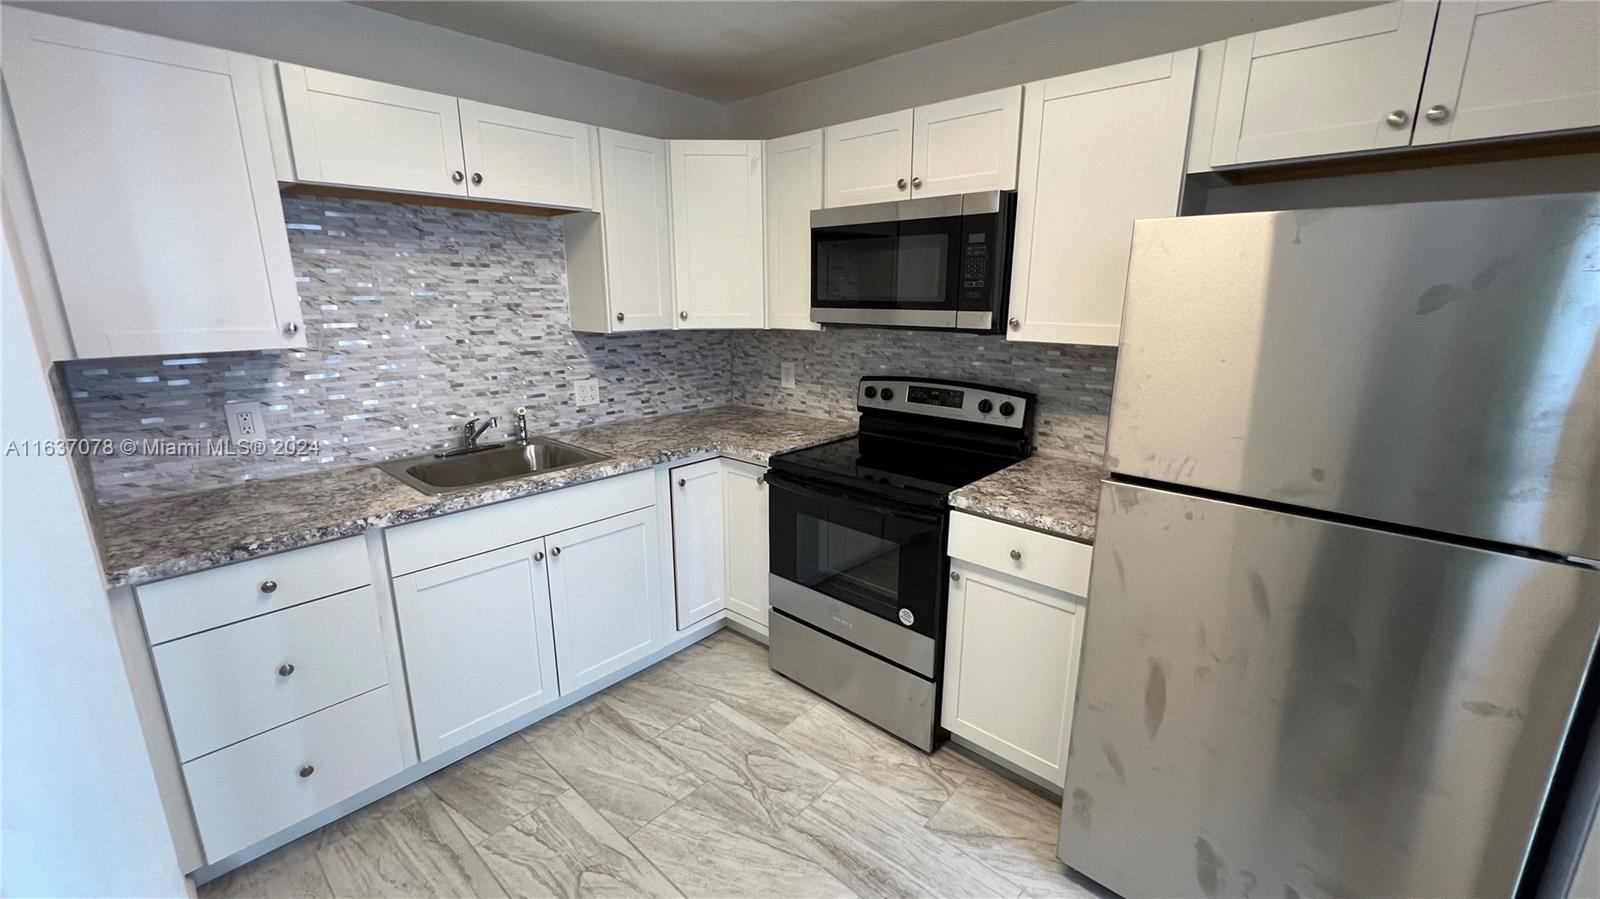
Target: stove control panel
pixel 945 399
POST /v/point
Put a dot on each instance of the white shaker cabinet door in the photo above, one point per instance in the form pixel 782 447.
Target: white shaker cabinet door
pixel 1011 668
pixel 637 217
pixel 744 490
pixel 1340 84
pixel 966 145
pixel 1101 149
pixel 152 170
pixel 794 189
pixel 719 258
pixel 605 594
pixel 352 131
pixel 1504 68
pixel 698 541
pixel 523 157
pixel 477 639
pixel 868 160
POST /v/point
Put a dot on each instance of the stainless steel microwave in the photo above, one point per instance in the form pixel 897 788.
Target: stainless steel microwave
pixel 939 262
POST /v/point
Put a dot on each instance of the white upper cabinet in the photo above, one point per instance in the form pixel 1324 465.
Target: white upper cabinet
pixel 719 256
pixel 1341 84
pixel 967 144
pixel 868 160
pixel 794 189
pixel 1100 149
pixel 958 146
pixel 605 595
pixel 351 131
pixel 152 171
pixel 619 263
pixel 1504 68
pixel 523 157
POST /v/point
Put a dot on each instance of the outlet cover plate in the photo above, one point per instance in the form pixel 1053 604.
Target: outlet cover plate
pixel 247 421
pixel 786 373
pixel 586 392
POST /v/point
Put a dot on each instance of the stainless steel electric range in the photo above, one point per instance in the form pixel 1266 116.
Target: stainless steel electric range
pixel 859 573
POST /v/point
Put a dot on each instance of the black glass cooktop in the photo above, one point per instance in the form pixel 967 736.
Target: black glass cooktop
pixel 926 470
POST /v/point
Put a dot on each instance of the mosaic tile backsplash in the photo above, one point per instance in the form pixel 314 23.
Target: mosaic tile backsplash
pixel 419 317
pixel 1073 382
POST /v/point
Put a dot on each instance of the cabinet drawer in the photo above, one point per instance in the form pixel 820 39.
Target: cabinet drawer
pixel 227 684
pixel 195 602
pixel 254 789
pixel 1040 558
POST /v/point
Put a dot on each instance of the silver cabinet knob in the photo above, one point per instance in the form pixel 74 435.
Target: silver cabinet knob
pixel 1016 555
pixel 269 586
pixel 1437 113
pixel 555 551
pixel 1398 118
pixel 955 575
pixel 286 669
pixel 291 329
pixel 915 182
pixel 307 770
pixel 1015 324
pixel 901 184
pixel 458 176
pixel 682 482
pixel 477 177
pixel 620 316
pixel 761 479
pixel 683 316
pixel 538 555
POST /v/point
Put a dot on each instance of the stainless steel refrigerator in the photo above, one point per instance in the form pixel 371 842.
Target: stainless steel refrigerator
pixel 1343 610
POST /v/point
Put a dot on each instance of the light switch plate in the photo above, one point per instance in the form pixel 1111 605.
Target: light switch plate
pixel 786 373
pixel 586 392
pixel 246 421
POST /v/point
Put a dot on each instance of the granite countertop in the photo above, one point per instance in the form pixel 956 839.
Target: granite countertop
pixel 1058 496
pixel 154 539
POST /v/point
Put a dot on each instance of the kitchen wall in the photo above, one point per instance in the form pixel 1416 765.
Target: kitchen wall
pixel 351 39
pixel 417 317
pixel 1073 382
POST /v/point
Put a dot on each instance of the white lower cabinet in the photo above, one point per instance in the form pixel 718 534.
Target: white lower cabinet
pixel 478 643
pixel 744 492
pixel 605 592
pixel 1012 645
pixel 698 541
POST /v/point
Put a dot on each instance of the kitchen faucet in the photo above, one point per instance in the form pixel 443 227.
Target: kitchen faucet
pixel 469 439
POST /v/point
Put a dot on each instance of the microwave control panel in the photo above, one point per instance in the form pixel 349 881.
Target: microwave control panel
pixel 974 266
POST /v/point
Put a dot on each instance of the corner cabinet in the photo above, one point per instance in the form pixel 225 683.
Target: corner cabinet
pixel 794 189
pixel 151 167
pixel 355 132
pixel 1100 149
pixel 958 146
pixel 718 220
pixel 1016 605
pixel 744 499
pixel 699 536
pixel 619 261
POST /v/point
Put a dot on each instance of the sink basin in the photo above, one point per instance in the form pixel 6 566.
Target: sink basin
pixel 433 474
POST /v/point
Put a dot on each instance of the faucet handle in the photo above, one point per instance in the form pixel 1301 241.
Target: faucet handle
pixel 471 425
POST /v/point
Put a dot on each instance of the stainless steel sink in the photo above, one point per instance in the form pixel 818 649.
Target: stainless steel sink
pixel 434 473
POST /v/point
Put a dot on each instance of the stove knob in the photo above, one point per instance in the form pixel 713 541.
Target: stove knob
pixel 871 392
pixel 888 393
pixel 985 406
pixel 1006 409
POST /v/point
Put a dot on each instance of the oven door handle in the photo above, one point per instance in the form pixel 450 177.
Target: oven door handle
pixel 877 505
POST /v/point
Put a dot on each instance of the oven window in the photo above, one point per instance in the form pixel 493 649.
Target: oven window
pixel 860 568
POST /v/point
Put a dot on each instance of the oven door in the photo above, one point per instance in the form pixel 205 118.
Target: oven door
pixel 887 273
pixel 862 568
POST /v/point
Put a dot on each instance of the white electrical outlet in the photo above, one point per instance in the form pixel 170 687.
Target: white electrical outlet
pixel 786 373
pixel 586 392
pixel 247 421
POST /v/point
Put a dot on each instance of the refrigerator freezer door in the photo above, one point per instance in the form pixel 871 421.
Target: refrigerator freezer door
pixel 1274 705
pixel 1435 364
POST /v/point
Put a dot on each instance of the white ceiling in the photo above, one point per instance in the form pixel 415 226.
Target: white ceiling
pixel 722 50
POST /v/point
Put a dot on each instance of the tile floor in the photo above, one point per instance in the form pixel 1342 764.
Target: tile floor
pixel 705 775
